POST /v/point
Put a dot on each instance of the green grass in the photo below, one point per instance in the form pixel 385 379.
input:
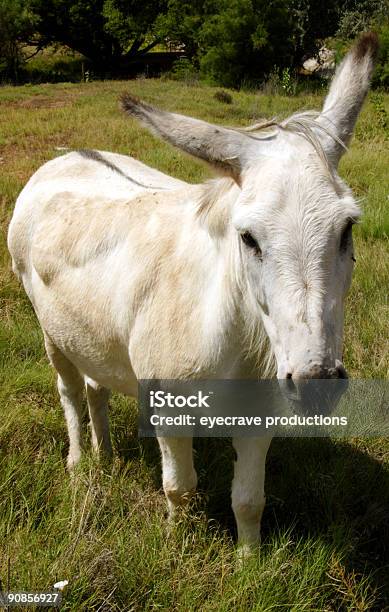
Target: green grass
pixel 325 527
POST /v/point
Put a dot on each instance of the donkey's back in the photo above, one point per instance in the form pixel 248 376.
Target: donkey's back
pixel 83 177
pixel 74 242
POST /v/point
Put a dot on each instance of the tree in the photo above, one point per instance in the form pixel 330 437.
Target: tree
pixel 360 15
pixel 232 40
pixel 132 24
pixel 104 31
pixel 180 24
pixel 314 22
pixel 244 39
pixel 17 24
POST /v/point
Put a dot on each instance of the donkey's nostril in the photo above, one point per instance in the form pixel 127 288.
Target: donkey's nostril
pixel 289 375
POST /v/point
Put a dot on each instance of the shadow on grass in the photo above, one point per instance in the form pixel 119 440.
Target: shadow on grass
pixel 327 489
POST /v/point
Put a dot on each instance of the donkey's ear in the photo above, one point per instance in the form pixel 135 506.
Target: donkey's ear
pixel 223 148
pixel 347 93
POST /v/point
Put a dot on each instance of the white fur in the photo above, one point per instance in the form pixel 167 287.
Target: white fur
pixel 134 274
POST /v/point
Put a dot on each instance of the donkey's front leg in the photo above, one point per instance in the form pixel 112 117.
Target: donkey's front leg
pixel 179 476
pixel 248 489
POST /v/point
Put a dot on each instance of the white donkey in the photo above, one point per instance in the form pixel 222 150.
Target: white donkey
pixel 137 275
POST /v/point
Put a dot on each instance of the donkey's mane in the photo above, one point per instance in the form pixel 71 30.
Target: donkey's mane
pixel 303 124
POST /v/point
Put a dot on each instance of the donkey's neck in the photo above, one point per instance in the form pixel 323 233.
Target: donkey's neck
pixel 214 202
pixel 236 332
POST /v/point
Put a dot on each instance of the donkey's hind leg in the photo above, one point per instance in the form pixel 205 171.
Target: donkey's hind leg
pixel 70 387
pixel 97 397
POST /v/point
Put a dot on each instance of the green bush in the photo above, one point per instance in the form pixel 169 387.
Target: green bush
pixel 184 70
pixel 16 24
pixel 68 70
pixel 381 75
pixel 223 96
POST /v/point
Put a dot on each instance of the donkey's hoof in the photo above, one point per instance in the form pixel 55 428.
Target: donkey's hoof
pixel 245 552
pixel 72 461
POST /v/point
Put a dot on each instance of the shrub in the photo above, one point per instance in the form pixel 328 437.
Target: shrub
pixel 288 82
pixel 381 75
pixel 184 70
pixel 56 64
pixel 223 96
pixel 282 82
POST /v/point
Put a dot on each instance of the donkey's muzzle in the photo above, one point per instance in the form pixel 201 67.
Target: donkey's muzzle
pixel 315 390
pixel 318 371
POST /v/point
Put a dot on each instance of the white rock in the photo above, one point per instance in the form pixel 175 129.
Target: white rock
pixel 311 64
pixel 324 62
pixel 61 584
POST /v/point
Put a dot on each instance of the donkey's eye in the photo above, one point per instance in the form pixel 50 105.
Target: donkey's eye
pixel 346 236
pixel 251 243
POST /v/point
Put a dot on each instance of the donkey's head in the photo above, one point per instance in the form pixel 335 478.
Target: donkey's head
pixel 293 216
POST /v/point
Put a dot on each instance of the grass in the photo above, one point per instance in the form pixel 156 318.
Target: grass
pixel 325 527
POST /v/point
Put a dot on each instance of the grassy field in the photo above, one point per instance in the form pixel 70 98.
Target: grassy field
pixel 326 524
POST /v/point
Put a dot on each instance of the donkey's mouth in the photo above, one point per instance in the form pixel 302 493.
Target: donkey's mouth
pixel 308 397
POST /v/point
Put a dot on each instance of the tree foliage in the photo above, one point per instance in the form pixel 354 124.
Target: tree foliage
pixel 244 39
pixel 132 24
pixel 236 41
pixel 17 24
pixel 229 41
pixel 105 31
